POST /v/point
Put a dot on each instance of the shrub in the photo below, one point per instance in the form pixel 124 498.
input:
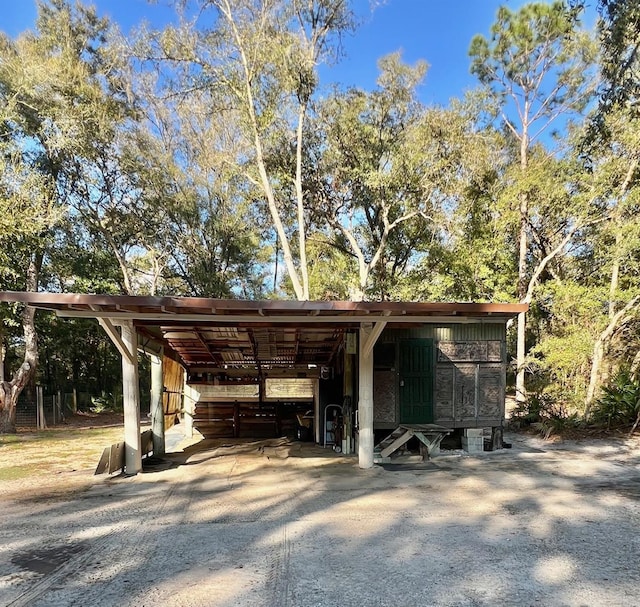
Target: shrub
pixel 619 402
pixel 545 415
pixel 106 403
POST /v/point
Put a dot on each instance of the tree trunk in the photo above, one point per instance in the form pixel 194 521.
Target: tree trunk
pixel 3 353
pixel 523 244
pixel 621 318
pixel 226 9
pixel 594 378
pixel 635 366
pixel 10 390
pixel 302 243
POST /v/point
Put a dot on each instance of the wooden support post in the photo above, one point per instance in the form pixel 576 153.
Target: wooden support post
pixel 40 416
pixel 365 399
pixel 157 405
pixel 188 411
pixel 348 394
pixel 131 398
pixel 496 438
pixel 316 412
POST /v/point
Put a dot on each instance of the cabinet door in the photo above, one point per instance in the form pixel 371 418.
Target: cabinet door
pixel 444 394
pixel 490 392
pixel 465 393
pixel 416 381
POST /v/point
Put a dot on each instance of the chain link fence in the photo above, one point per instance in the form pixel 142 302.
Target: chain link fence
pixel 43 410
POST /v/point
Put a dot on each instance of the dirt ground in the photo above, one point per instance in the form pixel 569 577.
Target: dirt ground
pixel 57 461
pixel 274 523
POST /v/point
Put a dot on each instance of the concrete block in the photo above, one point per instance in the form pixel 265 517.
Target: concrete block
pixel 473 432
pixel 473 445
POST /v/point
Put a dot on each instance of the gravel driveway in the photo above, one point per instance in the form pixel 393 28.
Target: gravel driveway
pixel 277 524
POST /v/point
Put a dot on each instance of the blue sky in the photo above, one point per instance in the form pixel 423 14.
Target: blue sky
pixel 438 31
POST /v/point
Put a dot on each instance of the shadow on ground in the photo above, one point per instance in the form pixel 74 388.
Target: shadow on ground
pixel 273 523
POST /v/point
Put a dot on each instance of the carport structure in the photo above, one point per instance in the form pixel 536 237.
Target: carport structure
pixel 295 339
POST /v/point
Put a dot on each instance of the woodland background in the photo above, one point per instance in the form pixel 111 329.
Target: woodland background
pixel 208 159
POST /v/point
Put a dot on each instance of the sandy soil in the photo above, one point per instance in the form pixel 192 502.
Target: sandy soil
pixel 274 524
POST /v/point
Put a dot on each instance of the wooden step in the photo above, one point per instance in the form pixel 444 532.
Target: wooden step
pixel 429 435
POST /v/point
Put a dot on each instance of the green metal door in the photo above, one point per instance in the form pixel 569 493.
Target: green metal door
pixel 416 381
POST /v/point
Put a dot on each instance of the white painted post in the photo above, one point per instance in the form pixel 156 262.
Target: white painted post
pixel 365 399
pixel 131 398
pixel 157 405
pixel 189 409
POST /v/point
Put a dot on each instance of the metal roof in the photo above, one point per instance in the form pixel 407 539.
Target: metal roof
pixel 240 333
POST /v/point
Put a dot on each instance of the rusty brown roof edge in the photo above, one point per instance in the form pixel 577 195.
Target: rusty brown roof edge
pixel 53 300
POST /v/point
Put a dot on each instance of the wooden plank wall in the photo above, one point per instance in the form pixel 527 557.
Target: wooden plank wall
pixel 247 419
pixel 173 382
pixel 113 457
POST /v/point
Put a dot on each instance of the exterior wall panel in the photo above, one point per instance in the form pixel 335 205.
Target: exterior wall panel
pixel 384 397
pixel 469 374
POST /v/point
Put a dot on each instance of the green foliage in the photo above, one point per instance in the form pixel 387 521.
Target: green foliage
pixel 390 175
pixel 620 63
pixel 331 270
pixel 106 403
pixel 538 54
pixel 619 402
pixel 568 317
pixel 126 175
pixel 545 415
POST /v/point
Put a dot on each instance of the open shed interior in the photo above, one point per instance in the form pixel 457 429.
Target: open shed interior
pixel 337 369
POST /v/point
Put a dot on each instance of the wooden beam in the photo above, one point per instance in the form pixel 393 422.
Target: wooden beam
pixel 204 343
pixel 396 444
pixel 254 349
pixel 150 344
pixel 116 338
pixel 377 330
pixel 172 320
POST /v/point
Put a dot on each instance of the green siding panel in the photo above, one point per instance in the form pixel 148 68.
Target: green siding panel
pixel 452 332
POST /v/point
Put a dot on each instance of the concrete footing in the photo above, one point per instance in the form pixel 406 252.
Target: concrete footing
pixel 473 440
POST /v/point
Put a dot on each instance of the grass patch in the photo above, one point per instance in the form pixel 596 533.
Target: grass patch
pixel 15 473
pixel 45 457
pixel 10 439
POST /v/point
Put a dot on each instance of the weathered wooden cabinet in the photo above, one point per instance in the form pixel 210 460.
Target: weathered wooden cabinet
pixel 467 375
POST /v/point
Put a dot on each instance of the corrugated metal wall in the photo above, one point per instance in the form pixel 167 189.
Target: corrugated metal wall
pixel 453 332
